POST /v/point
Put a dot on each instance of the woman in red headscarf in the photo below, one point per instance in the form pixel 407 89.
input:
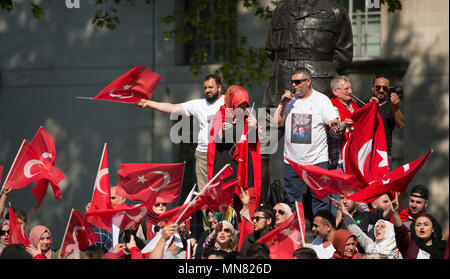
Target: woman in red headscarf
pixel 234 140
pixel 345 244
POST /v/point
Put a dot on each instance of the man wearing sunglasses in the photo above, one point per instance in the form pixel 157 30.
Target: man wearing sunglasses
pixel 313 111
pixel 263 222
pixel 389 103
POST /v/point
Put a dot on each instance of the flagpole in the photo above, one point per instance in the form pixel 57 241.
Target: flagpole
pixel 357 99
pixel 299 222
pixel 9 172
pixel 65 233
pixel 203 190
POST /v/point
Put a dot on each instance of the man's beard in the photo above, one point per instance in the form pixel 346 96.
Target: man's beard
pixel 213 98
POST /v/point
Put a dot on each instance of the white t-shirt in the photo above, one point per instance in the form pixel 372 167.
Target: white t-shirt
pixel 322 253
pixel 305 138
pixel 204 111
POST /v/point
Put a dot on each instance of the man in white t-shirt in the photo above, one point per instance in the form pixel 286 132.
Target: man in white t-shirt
pixel 204 110
pixel 305 115
pixel 324 227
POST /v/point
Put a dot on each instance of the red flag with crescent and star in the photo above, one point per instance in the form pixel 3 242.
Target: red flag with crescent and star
pixel 30 166
pixel 136 84
pixel 323 182
pixel 287 237
pixel 143 182
pixel 16 232
pixel 78 235
pixel 123 216
pixel 43 143
pixel 394 181
pixel 101 197
pixel 365 154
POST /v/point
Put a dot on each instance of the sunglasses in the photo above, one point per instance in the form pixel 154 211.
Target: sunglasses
pixel 280 211
pixel 227 230
pixel 378 87
pixel 298 81
pixel 160 204
pixel 257 218
pixel 2 232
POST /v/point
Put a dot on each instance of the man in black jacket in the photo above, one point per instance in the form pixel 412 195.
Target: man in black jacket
pixel 263 222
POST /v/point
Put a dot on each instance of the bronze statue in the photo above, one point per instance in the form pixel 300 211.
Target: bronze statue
pixel 312 34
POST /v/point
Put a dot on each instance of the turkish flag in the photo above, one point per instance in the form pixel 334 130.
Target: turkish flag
pixel 143 182
pixel 79 234
pixel 101 198
pixel 365 153
pixel 136 84
pixel 123 216
pixel 16 232
pixel 287 237
pixel 29 166
pixel 241 156
pixel 396 180
pixel 211 193
pixel 181 213
pixel 246 227
pixel 219 195
pixel 44 144
pixel 1 172
pixel 325 182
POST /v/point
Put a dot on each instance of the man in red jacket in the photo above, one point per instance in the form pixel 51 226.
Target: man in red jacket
pixel 418 201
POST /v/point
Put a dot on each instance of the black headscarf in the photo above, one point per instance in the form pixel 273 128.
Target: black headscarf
pixel 438 246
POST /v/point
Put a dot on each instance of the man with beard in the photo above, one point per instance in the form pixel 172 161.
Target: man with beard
pixel 417 202
pixel 263 223
pixel 204 111
pixel 389 103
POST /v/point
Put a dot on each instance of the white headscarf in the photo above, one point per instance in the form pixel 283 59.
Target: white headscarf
pixel 387 245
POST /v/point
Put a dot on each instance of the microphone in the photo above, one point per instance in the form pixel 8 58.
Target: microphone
pixel 286 99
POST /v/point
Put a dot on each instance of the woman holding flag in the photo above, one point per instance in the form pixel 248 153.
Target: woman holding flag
pixel 242 150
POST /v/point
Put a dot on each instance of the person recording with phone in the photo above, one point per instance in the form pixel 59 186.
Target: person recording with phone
pixel 389 107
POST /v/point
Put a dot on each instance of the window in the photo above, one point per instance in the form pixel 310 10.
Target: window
pixel 217 45
pixel 366 26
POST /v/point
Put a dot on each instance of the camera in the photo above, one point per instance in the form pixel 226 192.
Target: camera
pixel 397 90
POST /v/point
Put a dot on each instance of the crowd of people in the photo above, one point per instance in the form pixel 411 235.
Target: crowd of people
pixel 339 228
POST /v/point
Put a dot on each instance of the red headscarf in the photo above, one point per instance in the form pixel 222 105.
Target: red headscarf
pixel 339 240
pixel 235 96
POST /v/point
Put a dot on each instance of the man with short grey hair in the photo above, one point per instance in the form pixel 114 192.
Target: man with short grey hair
pixel 345 106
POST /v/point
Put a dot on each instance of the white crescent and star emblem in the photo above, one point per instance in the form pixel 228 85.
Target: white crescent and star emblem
pixel 100 174
pixel 126 87
pixel 384 161
pixel 141 179
pixel 165 182
pixel 305 178
pixel 46 155
pixel 27 168
pixel 74 233
pixel 362 155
